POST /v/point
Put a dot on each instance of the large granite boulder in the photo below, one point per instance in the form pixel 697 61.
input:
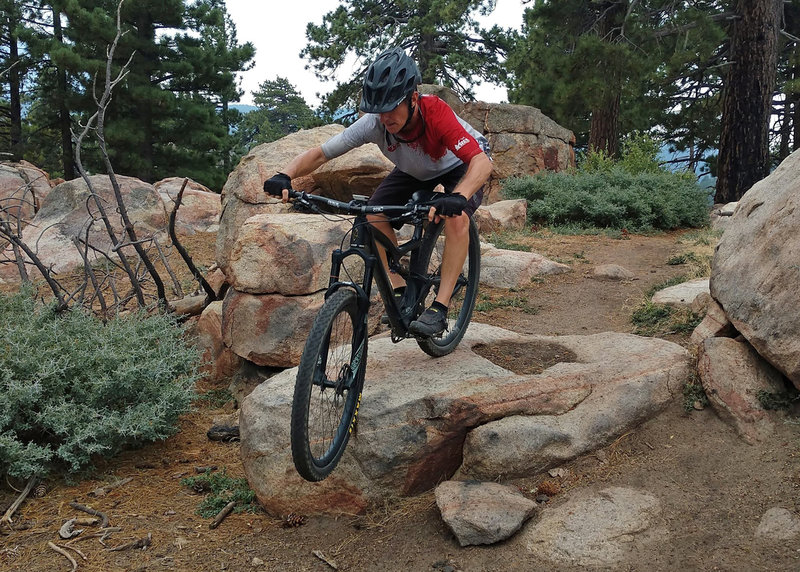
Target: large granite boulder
pixel 68 212
pixel 285 254
pixel 755 268
pixel 417 413
pixel 268 329
pixel 23 187
pixel 735 379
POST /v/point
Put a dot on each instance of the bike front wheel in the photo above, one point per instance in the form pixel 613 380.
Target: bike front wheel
pixel 462 300
pixel 328 387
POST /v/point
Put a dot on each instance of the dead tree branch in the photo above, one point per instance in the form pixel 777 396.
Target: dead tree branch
pixel 64 553
pixel 20 499
pixel 222 515
pixel 102 104
pixel 211 295
pixel 93 512
pixel 123 210
pixel 140 543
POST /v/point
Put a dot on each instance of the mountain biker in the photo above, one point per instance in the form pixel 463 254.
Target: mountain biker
pixel 429 145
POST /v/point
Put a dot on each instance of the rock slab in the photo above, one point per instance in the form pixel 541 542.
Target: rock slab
pixel 417 412
pixel 596 529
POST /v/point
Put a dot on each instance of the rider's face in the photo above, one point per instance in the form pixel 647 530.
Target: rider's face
pixel 395 119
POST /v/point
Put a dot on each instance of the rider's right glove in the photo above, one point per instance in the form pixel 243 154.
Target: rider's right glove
pixel 275 184
pixel 451 204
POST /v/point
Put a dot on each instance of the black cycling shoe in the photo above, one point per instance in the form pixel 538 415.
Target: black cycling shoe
pixel 431 322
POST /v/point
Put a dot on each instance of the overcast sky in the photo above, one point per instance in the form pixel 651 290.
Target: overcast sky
pixel 279 33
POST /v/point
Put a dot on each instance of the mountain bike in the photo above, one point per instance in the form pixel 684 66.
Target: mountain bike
pixel 330 376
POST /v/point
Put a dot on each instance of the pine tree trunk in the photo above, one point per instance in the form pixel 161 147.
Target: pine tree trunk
pixel 63 112
pixel 604 129
pixel 14 81
pixel 747 98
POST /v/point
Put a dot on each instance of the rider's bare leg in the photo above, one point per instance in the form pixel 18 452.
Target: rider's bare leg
pixel 456 246
pixel 379 222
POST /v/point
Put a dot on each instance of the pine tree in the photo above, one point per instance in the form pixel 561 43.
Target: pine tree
pixel 607 68
pixel 280 110
pixel 219 58
pixel 449 46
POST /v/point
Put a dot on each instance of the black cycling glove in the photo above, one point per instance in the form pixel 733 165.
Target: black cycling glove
pixel 451 204
pixel 275 185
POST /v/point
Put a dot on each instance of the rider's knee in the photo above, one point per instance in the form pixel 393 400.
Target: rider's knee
pixel 457 225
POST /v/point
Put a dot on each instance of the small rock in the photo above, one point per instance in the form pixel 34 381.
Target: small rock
pixel 682 295
pixel 223 433
pixel 482 513
pixel 597 529
pixel 779 524
pixel 612 272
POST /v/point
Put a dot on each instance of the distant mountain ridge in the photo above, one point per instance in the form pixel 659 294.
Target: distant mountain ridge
pixel 242 108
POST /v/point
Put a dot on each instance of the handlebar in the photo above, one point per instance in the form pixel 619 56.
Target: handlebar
pixel 359 206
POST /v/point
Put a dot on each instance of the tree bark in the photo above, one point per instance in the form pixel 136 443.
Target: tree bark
pixel 14 83
pixel 63 112
pixel 604 126
pixel 747 98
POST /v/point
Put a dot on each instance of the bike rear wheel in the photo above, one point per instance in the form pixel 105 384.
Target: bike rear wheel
pixel 328 387
pixel 462 301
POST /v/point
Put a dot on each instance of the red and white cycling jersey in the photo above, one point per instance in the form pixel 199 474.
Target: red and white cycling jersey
pixel 446 141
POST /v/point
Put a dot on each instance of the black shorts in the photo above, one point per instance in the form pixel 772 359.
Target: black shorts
pixel 398 187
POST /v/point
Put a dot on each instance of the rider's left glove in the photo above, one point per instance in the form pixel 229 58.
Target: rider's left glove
pixel 451 204
pixel 277 183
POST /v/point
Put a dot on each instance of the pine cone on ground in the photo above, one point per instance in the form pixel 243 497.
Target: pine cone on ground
pixel 293 520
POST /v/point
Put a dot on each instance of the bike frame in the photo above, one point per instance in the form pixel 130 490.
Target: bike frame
pixel 364 242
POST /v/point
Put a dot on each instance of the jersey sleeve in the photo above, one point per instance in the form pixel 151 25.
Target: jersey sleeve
pixel 363 131
pixel 453 134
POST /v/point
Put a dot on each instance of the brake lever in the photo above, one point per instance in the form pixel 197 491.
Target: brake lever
pixel 303 206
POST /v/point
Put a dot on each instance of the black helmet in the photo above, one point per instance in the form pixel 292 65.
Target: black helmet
pixel 391 78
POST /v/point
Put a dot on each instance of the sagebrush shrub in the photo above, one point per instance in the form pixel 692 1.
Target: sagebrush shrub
pixel 612 198
pixel 632 192
pixel 72 387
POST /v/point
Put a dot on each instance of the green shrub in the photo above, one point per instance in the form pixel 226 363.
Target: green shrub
pixel 72 387
pixel 633 193
pixel 612 199
pixel 221 489
pixel 694 395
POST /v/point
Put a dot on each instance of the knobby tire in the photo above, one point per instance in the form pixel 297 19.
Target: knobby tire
pixel 328 386
pixel 464 296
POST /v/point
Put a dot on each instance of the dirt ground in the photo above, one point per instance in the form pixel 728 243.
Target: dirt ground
pixel 714 488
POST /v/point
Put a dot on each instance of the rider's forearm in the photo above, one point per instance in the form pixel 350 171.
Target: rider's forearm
pixel 478 172
pixel 305 163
